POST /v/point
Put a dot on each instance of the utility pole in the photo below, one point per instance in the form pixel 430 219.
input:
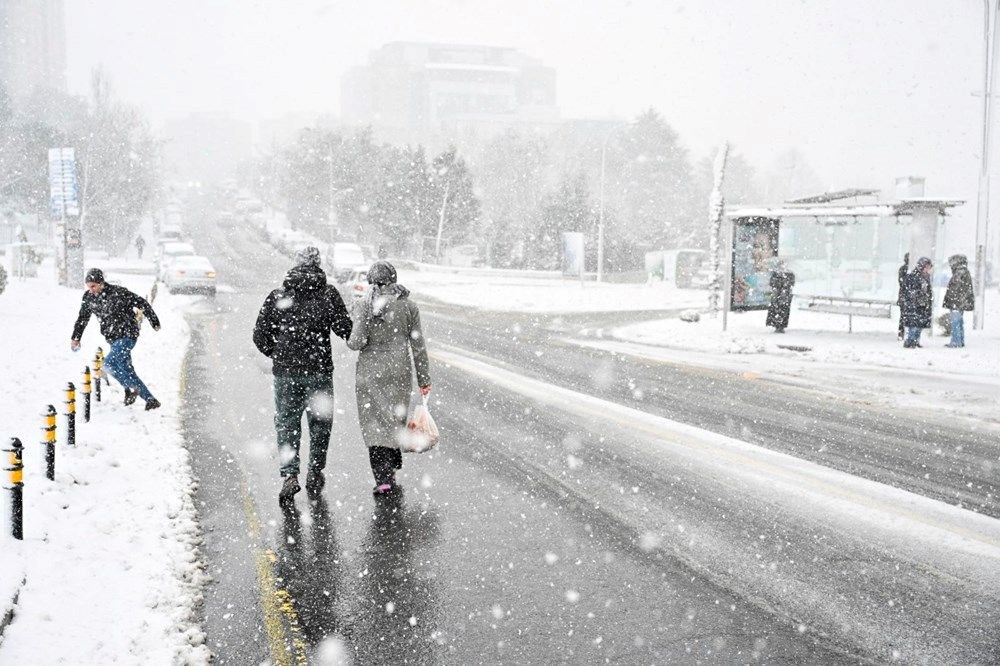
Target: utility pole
pixel 990 40
pixel 444 205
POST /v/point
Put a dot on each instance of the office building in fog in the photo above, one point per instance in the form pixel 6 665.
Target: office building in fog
pixel 32 46
pixel 417 90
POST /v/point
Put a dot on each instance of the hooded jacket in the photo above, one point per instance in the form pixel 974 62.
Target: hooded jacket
pixel 960 294
pixel 294 323
pixel 918 298
pixel 115 308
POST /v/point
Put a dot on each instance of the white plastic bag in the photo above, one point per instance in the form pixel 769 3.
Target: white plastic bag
pixel 421 432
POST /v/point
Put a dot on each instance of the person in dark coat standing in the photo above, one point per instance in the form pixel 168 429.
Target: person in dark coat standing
pixel 918 300
pixel 782 281
pixel 386 332
pixel 140 244
pixel 959 298
pixel 115 307
pixel 293 330
pixel 901 275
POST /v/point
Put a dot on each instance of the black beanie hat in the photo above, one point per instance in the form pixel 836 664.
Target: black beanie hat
pixel 95 275
pixel 381 273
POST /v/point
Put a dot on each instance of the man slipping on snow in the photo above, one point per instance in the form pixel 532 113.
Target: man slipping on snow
pixel 115 308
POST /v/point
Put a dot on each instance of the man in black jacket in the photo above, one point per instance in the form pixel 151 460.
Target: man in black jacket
pixel 115 307
pixel 293 330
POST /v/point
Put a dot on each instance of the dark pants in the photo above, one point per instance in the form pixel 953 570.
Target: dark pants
pixel 294 394
pixel 384 462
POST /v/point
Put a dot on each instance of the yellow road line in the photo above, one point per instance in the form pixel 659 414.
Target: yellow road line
pixel 276 603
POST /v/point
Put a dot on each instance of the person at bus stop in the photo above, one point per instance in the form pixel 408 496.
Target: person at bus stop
pixel 293 330
pixel 901 275
pixel 116 309
pixel 140 244
pixel 959 298
pixel 918 299
pixel 782 281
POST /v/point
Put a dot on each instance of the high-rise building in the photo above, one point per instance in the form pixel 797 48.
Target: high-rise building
pixel 420 90
pixel 32 46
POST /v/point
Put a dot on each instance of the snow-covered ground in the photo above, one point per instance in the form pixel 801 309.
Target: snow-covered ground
pixel 546 293
pixel 816 352
pixel 110 547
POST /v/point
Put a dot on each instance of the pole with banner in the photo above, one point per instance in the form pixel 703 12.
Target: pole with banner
pixel 64 206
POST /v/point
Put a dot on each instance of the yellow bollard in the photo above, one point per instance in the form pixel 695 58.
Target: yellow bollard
pixel 98 364
pixel 70 414
pixel 50 442
pixel 86 394
pixel 15 467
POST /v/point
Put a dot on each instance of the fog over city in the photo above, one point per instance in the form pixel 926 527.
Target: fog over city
pixel 499 332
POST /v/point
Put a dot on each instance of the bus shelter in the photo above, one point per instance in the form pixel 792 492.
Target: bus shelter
pixel 842 245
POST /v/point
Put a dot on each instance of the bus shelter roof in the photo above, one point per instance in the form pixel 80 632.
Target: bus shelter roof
pixel 880 210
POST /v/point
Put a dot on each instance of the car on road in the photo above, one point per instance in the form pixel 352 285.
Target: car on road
pixel 191 273
pixel 344 258
pixel 167 252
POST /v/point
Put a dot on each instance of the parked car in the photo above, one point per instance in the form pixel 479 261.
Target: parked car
pixel 190 273
pixel 169 251
pixel 343 258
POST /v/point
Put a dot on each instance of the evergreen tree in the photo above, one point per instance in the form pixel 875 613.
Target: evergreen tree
pixel 566 209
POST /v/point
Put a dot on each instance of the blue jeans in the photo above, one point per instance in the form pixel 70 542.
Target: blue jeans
pixel 913 335
pixel 118 363
pixel 957 328
pixel 294 394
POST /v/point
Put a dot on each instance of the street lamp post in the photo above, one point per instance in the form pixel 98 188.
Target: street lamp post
pixel 983 201
pixel 600 217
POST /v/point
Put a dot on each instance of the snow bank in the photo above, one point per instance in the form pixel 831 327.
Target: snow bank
pixel 486 289
pixel 111 546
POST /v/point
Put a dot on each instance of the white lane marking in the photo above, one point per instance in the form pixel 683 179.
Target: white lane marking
pixel 884 508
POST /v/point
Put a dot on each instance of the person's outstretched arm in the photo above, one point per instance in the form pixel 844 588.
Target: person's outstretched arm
pixel 81 323
pixel 140 303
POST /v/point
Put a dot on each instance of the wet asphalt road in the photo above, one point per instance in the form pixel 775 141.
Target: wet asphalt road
pixel 538 537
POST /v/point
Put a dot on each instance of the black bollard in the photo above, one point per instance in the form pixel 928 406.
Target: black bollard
pixel 70 414
pixel 15 467
pixel 50 443
pixel 86 394
pixel 98 361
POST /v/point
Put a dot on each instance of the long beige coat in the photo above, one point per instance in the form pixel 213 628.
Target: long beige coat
pixel 384 375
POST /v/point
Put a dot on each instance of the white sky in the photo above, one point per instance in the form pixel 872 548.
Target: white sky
pixel 866 90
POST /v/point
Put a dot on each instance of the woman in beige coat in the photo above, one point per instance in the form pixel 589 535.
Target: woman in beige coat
pixel 386 331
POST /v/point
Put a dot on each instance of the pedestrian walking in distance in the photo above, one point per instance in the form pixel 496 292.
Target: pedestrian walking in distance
pixel 959 298
pixel 387 333
pixel 901 276
pixel 116 309
pixel 293 330
pixel 918 300
pixel 782 281
pixel 140 244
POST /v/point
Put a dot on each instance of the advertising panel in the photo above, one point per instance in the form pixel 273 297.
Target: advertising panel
pixel 755 245
pixel 572 254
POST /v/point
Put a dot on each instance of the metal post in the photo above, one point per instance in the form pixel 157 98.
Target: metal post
pixel 15 468
pixel 983 200
pixel 49 440
pixel 70 414
pixel 86 394
pixel 600 217
pixel 98 363
pixel 104 375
